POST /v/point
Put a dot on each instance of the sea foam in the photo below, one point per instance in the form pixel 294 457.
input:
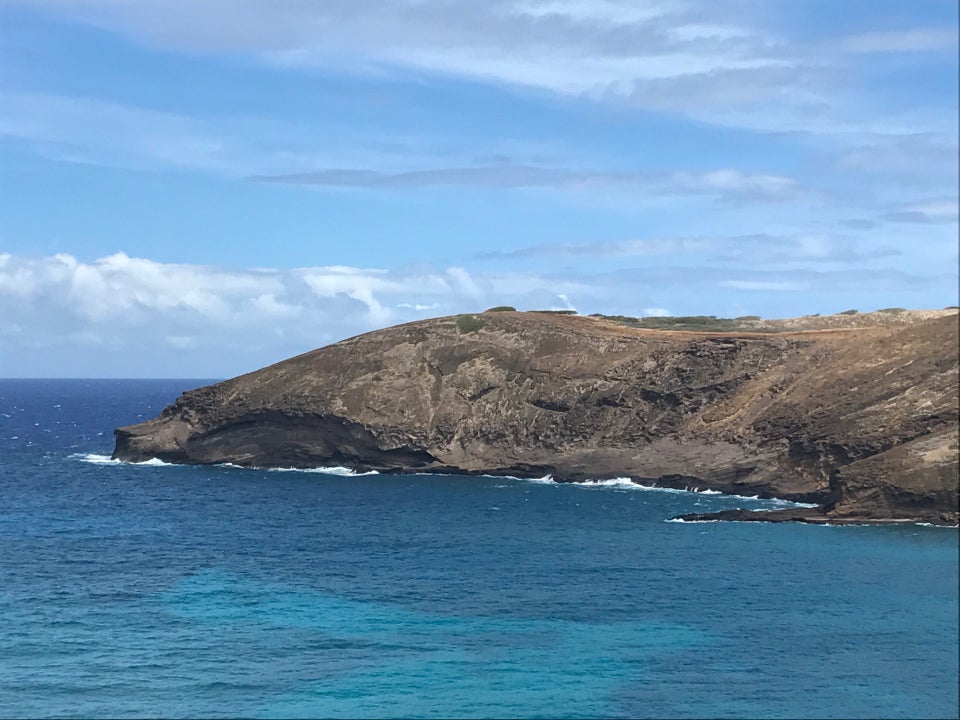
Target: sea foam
pixel 626 483
pixel 99 459
pixel 619 483
pixel 332 470
pixel 690 522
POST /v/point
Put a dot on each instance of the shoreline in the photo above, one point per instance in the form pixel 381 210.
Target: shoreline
pixel 806 513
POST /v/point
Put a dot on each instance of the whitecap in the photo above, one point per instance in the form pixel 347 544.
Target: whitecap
pixel 545 480
pixel 155 462
pixel 332 470
pixel 691 522
pixel 99 459
pixel 623 483
pixel 656 488
pixel 94 458
pixel 790 503
pixel 626 483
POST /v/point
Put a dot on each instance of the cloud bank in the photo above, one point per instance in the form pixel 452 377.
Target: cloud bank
pixel 134 317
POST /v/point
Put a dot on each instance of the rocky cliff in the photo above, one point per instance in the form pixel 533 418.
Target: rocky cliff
pixel 862 420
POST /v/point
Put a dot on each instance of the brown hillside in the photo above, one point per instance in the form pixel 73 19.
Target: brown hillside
pixel 862 418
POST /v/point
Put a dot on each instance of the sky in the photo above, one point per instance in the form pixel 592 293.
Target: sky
pixel 198 188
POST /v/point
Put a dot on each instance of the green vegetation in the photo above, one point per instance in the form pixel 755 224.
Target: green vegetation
pixel 849 312
pixel 894 311
pixel 747 317
pixel 469 323
pixel 556 312
pixel 501 308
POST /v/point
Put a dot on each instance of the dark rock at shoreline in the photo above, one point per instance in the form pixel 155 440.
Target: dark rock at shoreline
pixel 811 516
pixel 861 420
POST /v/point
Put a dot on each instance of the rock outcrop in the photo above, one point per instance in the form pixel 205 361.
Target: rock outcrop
pixel 861 420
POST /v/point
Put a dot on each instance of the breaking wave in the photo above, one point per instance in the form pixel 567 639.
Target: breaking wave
pixel 619 483
pixel 545 480
pixel 333 470
pixel 625 483
pixel 691 522
pixel 99 459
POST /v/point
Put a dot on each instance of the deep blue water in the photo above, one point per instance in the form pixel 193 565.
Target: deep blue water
pixel 133 590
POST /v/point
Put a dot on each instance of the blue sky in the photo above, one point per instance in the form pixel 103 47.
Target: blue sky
pixel 196 189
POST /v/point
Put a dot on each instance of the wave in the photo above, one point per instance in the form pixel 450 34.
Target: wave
pixel 332 470
pixel 99 459
pixel 620 483
pixel 626 483
pixel 545 480
pixel 691 522
pixel 790 503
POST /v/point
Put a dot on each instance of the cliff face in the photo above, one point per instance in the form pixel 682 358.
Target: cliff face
pixel 862 420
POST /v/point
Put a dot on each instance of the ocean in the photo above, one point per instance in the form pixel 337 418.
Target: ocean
pixel 176 591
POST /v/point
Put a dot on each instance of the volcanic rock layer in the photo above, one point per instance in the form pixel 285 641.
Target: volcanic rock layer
pixel 861 420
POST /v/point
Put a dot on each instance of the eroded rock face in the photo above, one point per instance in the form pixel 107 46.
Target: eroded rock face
pixel 861 420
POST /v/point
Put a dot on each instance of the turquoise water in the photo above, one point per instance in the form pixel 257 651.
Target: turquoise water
pixel 144 590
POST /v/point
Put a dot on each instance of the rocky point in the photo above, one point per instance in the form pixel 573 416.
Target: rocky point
pixel 857 415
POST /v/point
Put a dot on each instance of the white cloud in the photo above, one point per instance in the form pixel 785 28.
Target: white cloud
pixel 464 282
pixel 181 342
pixel 776 286
pixel 95 131
pixel 599 48
pixel 86 130
pixel 716 62
pixel 192 305
pixel 566 300
pixel 123 316
pixel 928 211
pixel 723 183
pixel 732 183
pixel 910 40
pixel 80 129
pixel 596 12
pixel 268 305
pixel 418 306
pixel 760 250
pixel 942 209
pixel 915 159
